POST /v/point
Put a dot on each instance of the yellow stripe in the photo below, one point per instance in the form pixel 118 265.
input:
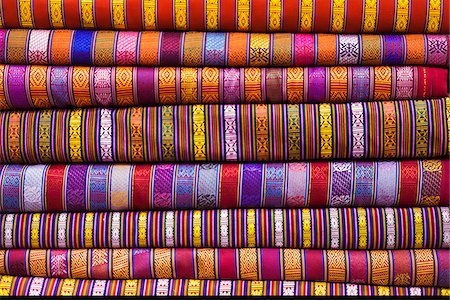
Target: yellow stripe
pixel 326 131
pixel 130 287
pixel 149 7
pixel 5 285
pixel 193 287
pixel 421 128
pixel 89 230
pixel 67 288
pixel 36 220
pixel 274 15
pixel 142 229
pixel 256 288
pixel 181 15
pixel 118 8
pixel 87 14
pixel 370 15
pixel 199 130
pixel 306 226
pixel 306 17
pixel 259 49
pixel 44 135
pixel 362 228
pixel 26 18
pixel 56 13
pixel 418 227
pixel 338 16
pixel 75 150
pixel 402 15
pixel 434 16
pixel 251 228
pixel 197 228
pixel 212 15
pixel 243 15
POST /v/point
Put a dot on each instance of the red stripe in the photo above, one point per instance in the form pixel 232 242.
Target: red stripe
pixel 445 28
pixel 322 16
pixel 10 14
pixel 290 15
pixel 319 184
pixel 409 177
pixel 40 13
pixel 102 15
pixel 314 265
pixel 228 15
pixel 354 17
pixel 445 184
pixel 196 16
pixel 228 194
pixel 141 186
pixel 259 16
pixel 184 262
pixel 227 259
pixel 418 16
pixel 164 15
pixel 71 14
pixel 17 262
pixel 386 13
pixel 422 88
pixel 54 187
pixel 133 15
pixel 270 264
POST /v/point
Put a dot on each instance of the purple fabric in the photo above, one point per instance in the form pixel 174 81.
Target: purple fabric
pixel 170 49
pixel 363 189
pixel 16 86
pixel 251 185
pixel 360 84
pixel 97 184
pixel 59 86
pixel 231 86
pixel 76 186
pixel 146 86
pixel 316 84
pixel 162 191
pixel 185 185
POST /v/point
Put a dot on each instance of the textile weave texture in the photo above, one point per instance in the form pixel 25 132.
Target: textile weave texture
pixel 27 87
pixel 213 49
pixel 243 15
pixel 117 187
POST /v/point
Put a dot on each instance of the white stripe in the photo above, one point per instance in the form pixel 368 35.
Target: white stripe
pixel 105 135
pixel 33 198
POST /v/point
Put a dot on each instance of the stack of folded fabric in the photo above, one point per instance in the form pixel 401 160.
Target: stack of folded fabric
pixel 224 147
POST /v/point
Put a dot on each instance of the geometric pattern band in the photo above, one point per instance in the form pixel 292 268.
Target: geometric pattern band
pixel 330 228
pixel 46 286
pixel 232 15
pixel 121 187
pixel 27 87
pixel 214 49
pixel 419 267
pixel 247 132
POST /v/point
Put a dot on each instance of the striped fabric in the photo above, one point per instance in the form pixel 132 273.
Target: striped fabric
pixel 423 267
pixel 115 187
pixel 42 286
pixel 228 132
pixel 231 49
pixel 26 87
pixel 333 228
pixel 243 15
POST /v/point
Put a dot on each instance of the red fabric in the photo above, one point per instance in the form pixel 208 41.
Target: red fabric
pixel 314 265
pixel 386 15
pixel 259 15
pixel 72 14
pixel 322 16
pixel 354 19
pixel 445 187
pixel 229 186
pixel 226 264
pixel 41 13
pixel 133 14
pixel 54 187
pixel 408 183
pixel 290 15
pixel 227 13
pixel 10 14
pixel 184 263
pixel 102 16
pixel 164 14
pixel 270 264
pixel 319 185
pixel 418 17
pixel 141 187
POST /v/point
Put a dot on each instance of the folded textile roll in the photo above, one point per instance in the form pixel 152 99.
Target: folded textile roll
pixel 246 15
pixel 333 228
pixel 272 132
pixel 47 286
pixel 422 267
pixel 116 187
pixel 26 87
pixel 195 49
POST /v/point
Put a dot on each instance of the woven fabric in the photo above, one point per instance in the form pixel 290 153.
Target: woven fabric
pixel 115 187
pixel 333 228
pixel 243 15
pixel 26 87
pixel 41 286
pixel 228 132
pixel 234 49
pixel 423 267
